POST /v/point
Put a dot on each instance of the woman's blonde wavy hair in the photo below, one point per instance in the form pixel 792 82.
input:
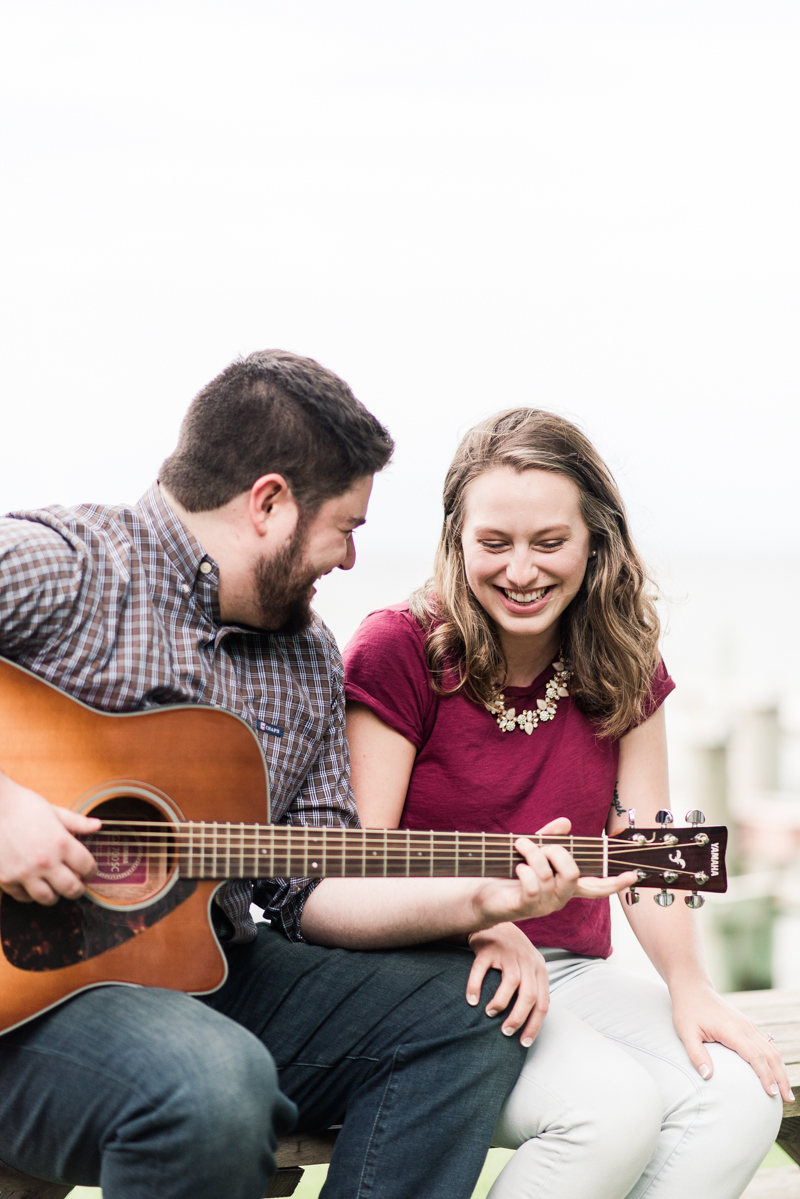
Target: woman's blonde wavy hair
pixel 609 632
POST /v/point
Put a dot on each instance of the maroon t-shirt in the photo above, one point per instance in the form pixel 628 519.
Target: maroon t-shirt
pixel 472 777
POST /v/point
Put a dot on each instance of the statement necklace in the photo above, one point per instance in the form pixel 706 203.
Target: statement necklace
pixel 556 689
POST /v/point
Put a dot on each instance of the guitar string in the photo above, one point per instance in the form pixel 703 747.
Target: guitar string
pixel 334 842
pixel 231 828
pixel 278 848
pixel 213 854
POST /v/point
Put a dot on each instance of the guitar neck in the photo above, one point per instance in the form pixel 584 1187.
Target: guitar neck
pixel 211 850
pixel 277 851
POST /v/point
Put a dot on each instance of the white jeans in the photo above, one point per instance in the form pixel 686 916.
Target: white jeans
pixel 608 1104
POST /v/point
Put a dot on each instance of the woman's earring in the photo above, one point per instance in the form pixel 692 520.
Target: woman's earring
pixel 593 554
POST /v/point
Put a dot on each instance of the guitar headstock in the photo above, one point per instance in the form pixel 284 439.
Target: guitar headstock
pixel 687 859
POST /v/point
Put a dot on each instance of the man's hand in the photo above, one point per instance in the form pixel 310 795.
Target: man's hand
pixel 548 879
pixel 40 858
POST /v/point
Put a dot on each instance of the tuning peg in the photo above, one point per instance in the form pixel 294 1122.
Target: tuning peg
pixel 632 896
pixel 694 900
pixel 665 817
pixel 664 898
pixel 631 817
pixel 695 817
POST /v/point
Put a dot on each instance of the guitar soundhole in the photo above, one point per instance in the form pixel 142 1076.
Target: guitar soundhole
pixel 134 851
pixel 135 886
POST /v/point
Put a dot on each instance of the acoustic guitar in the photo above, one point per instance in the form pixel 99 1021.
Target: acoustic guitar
pixel 160 780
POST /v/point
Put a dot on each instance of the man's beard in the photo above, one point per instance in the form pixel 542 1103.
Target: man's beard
pixel 283 586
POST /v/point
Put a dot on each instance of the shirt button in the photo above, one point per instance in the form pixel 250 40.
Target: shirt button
pixel 185 588
pixel 206 568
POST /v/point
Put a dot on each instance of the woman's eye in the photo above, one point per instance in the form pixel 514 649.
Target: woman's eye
pixel 551 545
pixel 493 545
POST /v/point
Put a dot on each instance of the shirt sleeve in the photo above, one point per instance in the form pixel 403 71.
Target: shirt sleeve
pixel 42 580
pixel 386 669
pixel 661 685
pixel 325 799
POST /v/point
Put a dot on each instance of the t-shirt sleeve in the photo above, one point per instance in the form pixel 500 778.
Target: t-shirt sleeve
pixel 385 669
pixel 661 685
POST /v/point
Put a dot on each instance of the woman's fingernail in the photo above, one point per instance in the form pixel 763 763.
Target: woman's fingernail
pixel 490 1011
pixel 792 1096
pixel 773 1090
pixel 508 1032
pixel 472 1000
pixel 704 1071
pixel 527 1042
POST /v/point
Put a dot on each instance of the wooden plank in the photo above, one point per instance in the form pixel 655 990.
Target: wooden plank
pixel 779 1182
pixel 14 1185
pixel 303 1149
pixel 777 1014
pixel 762 1005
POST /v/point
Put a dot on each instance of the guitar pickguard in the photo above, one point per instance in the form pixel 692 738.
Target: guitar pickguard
pixel 38 938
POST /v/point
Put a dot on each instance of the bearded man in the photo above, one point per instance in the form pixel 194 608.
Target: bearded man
pixel 200 593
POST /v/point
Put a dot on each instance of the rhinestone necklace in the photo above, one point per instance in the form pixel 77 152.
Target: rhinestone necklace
pixel 507 718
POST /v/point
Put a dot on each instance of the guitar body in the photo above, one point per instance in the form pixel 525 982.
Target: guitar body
pixel 139 922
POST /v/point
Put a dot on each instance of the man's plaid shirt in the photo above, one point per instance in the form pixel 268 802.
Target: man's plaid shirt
pixel 118 607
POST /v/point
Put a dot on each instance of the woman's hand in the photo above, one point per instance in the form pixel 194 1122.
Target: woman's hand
pixel 547 879
pixel 506 948
pixel 701 1015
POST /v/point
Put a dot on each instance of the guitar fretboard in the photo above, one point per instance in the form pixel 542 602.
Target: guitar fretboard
pixel 224 851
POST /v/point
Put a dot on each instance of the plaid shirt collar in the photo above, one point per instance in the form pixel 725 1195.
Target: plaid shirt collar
pixel 198 571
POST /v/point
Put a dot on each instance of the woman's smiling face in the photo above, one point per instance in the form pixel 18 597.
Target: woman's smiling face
pixel 526 546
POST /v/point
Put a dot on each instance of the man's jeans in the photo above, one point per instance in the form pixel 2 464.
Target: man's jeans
pixel 148 1092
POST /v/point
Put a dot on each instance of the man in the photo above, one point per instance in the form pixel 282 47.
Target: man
pixel 201 593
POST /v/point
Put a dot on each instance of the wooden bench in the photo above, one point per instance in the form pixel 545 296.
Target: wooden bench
pixel 776 1013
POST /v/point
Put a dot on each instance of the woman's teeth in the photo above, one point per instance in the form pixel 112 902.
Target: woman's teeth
pixel 525 597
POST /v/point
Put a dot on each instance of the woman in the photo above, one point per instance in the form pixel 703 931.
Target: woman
pixel 522 688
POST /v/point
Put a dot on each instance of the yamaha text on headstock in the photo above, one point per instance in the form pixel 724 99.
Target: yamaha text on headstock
pixel 159 780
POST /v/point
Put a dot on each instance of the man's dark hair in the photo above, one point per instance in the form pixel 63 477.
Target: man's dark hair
pixel 274 412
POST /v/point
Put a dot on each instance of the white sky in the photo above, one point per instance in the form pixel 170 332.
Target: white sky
pixel 459 206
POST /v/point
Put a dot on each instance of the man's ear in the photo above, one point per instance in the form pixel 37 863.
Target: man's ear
pixel 271 503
